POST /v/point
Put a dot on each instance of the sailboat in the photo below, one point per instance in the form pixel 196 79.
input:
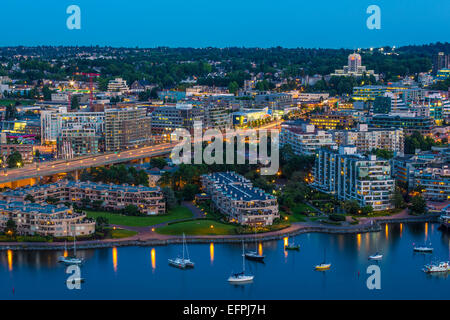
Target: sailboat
pixel 423 249
pixel 323 266
pixel 70 259
pixel 182 263
pixel 254 255
pixel 292 246
pixel 241 277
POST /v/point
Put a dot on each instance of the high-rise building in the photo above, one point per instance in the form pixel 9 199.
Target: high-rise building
pixel 53 122
pixel 166 119
pixel 354 68
pixel 77 141
pixel 440 61
pixel 350 176
pixel 126 128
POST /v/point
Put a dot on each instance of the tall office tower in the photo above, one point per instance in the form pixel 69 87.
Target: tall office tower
pixel 440 61
pixel 126 128
pixel 354 62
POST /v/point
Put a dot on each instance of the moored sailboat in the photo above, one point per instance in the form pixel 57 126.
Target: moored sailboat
pixel 241 277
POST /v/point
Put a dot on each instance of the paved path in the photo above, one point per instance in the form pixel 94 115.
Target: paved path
pixel 148 236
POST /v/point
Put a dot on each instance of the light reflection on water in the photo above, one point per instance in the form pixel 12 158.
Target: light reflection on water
pixel 283 275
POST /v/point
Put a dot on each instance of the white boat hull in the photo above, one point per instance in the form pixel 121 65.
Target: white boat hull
pixel 376 257
pixel 240 279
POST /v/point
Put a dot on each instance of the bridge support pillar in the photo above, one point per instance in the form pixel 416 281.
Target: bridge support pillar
pixel 76 175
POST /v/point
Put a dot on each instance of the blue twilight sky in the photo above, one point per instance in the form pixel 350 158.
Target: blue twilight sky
pixel 222 23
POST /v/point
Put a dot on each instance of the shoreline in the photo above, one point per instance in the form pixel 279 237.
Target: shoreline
pixel 161 240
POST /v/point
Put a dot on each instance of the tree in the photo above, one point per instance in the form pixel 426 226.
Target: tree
pixel 11 112
pixel 74 103
pixel 51 200
pixel 101 223
pixel 233 87
pixel 30 198
pixel 158 162
pixel 418 205
pixel 169 196
pixel 367 210
pixel 132 210
pixel 189 191
pixel 11 227
pixel 351 207
pixel 47 93
pixel 398 200
pixel 14 160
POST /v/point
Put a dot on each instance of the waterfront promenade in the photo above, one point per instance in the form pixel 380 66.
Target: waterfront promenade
pixel 147 236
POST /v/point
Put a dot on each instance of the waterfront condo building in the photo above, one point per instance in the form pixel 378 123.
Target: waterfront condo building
pixel 108 196
pixel 45 219
pixel 366 139
pixel 349 176
pixel 304 138
pixel 126 128
pixel 236 197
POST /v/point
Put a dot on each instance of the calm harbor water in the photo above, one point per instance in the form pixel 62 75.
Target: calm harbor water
pixel 143 272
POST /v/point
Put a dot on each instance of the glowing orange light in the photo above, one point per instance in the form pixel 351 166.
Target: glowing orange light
pixel 211 252
pixel 153 256
pixel 114 257
pixel 10 260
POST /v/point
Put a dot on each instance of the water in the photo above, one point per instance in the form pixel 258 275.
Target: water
pixel 143 272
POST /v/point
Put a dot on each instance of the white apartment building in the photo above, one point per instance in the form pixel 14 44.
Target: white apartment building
pixel 236 198
pixel 53 122
pixel 350 176
pixel 304 138
pixel 118 85
pixel 366 139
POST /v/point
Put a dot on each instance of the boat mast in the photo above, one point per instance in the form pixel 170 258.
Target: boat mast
pixel 183 246
pixel 74 246
pixel 243 258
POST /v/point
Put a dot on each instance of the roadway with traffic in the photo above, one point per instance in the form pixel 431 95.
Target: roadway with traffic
pixel 54 167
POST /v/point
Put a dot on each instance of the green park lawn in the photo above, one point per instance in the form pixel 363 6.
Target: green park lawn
pixel 132 221
pixel 198 227
pixel 122 233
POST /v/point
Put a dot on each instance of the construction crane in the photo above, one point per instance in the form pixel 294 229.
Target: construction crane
pixel 91 77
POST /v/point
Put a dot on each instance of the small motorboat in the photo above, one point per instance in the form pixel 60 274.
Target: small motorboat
pixel 376 256
pixel 440 267
pixel 292 246
pixel 323 266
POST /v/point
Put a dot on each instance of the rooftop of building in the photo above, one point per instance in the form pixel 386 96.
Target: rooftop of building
pixel 237 187
pixel 26 206
pixel 80 184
